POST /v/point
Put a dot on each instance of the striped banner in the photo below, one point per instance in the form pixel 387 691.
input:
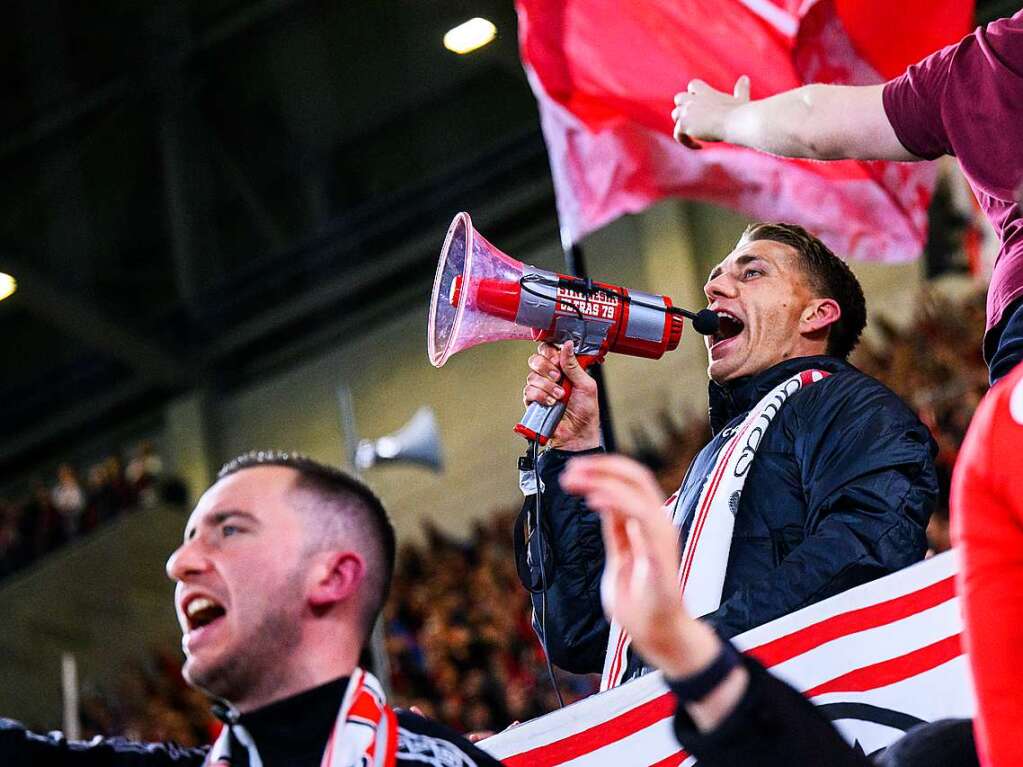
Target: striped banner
pixel 876 659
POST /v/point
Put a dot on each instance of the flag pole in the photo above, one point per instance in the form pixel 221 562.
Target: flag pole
pixel 575 263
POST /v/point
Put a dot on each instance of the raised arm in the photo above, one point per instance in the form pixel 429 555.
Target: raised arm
pixel 729 714
pixel 818 122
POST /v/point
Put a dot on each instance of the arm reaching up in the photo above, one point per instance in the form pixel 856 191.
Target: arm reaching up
pixel 731 713
pixel 640 582
pixel 818 122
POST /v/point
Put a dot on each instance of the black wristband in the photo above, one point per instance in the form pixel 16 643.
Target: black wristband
pixel 697 686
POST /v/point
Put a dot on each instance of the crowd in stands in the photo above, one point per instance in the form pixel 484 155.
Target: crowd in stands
pixel 935 365
pixel 459 638
pixel 74 503
pixel 458 633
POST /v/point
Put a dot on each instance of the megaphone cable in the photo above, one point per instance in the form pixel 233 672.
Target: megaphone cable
pixel 534 447
pixel 704 321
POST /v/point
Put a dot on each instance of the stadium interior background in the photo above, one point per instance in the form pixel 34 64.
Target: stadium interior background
pixel 218 213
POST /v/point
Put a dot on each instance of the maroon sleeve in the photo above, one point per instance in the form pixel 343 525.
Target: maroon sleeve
pixel 913 104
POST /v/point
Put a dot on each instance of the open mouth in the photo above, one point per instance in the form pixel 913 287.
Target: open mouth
pixel 729 326
pixel 201 612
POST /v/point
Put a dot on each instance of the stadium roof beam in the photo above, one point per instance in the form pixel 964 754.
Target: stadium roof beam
pixel 81 318
pixel 135 84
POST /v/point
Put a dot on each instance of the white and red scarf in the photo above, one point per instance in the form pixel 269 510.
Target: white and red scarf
pixel 365 733
pixel 705 556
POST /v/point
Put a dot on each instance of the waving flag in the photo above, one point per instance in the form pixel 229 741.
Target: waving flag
pixel 604 74
pixel 876 659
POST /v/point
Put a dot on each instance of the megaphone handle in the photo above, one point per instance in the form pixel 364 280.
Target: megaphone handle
pixel 540 421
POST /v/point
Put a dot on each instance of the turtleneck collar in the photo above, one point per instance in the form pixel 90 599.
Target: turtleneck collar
pixel 295 730
pixel 736 397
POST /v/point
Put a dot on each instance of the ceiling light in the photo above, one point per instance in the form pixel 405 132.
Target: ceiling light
pixel 470 35
pixel 7 285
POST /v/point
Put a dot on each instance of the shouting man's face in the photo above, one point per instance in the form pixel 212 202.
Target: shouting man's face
pixel 241 583
pixel 767 311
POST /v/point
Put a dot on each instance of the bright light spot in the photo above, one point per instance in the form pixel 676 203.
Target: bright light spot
pixel 470 35
pixel 7 285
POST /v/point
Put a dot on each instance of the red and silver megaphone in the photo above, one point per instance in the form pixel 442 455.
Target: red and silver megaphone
pixel 481 294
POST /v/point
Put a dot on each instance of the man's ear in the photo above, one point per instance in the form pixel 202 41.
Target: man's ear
pixel 338 579
pixel 819 315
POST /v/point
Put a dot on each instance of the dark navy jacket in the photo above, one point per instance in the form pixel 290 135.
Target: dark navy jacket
pixel 839 494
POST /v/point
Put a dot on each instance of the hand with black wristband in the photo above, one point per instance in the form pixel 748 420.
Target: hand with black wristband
pixel 640 588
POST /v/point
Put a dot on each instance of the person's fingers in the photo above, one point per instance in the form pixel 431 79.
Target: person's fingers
pixel 539 364
pixel 548 350
pixel 697 86
pixel 417 711
pixel 636 536
pixel 741 90
pixel 611 495
pixel 681 100
pixel 544 392
pixel 589 469
pixel 475 737
pixel 546 385
pixel 573 370
pixel 684 138
pixel 615 539
pixel 618 562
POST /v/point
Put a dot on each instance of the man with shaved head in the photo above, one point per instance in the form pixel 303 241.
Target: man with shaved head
pixel 284 567
pixel 817 477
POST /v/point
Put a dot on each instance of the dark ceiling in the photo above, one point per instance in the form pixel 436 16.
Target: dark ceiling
pixel 188 189
pixel 191 192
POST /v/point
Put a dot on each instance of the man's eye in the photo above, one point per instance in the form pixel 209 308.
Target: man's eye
pixel 229 530
pixel 752 273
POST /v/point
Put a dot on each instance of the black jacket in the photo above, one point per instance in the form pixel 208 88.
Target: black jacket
pixel 771 725
pixel 774 725
pixel 839 494
pixel 293 731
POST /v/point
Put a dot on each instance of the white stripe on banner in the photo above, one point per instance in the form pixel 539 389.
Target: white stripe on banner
pixel 877 659
pixel 865 648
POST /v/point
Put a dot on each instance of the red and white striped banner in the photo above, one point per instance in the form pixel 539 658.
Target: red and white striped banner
pixel 877 659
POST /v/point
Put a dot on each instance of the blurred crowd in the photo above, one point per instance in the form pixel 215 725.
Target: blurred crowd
pixel 73 504
pixel 458 635
pixel 151 702
pixel 459 639
pixel 935 365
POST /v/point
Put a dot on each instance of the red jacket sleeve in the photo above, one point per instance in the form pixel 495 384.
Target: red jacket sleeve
pixel 987 520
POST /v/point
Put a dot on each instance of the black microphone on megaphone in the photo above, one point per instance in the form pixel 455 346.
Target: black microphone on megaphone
pixel 481 294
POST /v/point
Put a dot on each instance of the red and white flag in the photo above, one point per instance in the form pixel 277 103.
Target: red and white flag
pixel 876 659
pixel 605 72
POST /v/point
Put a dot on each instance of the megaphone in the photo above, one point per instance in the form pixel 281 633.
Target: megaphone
pixel 416 442
pixel 481 294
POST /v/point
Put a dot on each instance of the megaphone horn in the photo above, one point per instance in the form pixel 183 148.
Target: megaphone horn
pixel 418 442
pixel 481 294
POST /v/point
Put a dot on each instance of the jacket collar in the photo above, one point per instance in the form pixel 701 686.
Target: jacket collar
pixel 736 397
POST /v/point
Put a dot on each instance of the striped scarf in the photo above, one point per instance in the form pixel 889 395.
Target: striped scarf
pixel 365 733
pixel 705 556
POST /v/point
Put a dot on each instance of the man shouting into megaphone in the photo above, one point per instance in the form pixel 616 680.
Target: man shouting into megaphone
pixel 817 478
